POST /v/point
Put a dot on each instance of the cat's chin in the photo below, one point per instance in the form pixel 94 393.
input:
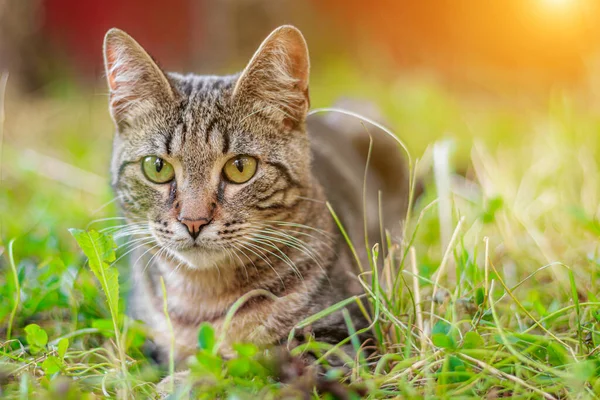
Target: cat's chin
pixel 202 259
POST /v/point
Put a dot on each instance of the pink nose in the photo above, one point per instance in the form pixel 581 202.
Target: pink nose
pixel 194 226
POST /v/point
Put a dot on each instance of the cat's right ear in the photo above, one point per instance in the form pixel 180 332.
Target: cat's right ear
pixel 275 81
pixel 136 83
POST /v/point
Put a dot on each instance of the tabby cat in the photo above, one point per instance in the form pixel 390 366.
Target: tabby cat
pixel 224 181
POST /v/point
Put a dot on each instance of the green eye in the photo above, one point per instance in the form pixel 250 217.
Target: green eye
pixel 240 169
pixel 157 170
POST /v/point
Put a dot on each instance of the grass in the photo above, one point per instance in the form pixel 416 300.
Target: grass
pixel 493 290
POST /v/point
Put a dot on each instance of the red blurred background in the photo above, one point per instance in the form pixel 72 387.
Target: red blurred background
pixel 521 42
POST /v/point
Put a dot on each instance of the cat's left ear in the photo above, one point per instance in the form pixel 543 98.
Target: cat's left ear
pixel 276 78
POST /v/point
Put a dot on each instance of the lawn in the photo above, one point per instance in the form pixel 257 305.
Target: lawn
pixel 492 291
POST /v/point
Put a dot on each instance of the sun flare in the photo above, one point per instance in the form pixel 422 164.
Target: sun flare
pixel 559 5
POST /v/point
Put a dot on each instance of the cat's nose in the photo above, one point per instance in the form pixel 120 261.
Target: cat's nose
pixel 194 226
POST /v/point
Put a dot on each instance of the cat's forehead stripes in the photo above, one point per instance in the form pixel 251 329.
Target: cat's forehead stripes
pixel 204 120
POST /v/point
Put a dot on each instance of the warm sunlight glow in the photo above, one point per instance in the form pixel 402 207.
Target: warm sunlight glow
pixel 563 14
pixel 559 5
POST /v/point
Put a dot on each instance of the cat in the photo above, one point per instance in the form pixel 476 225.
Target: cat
pixel 224 182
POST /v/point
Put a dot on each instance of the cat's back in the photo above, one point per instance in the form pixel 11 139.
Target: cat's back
pixel 340 149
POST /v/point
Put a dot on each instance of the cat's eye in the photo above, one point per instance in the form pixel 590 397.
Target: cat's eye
pixel 157 170
pixel 240 169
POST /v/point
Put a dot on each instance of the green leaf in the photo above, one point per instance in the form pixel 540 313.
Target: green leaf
pixel 105 326
pixel 209 362
pixel 63 345
pixel 52 365
pixel 245 349
pixel 455 370
pixel 472 340
pixel 441 327
pixel 456 364
pixel 36 337
pixel 442 340
pixel 239 367
pixel 100 250
pixel 206 337
pixel 557 355
pixel 479 296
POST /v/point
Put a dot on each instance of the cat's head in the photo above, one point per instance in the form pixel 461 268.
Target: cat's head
pixel 202 162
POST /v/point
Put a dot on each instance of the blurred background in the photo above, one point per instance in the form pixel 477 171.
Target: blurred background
pixel 497 73
pixel 473 44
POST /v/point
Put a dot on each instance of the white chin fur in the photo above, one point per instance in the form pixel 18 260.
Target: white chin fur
pixel 197 258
